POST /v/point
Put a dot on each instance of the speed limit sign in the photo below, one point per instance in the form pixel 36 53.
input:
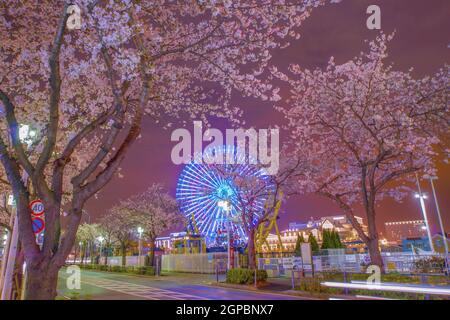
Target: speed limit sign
pixel 37 208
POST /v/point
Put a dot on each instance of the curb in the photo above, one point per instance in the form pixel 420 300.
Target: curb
pixel 262 291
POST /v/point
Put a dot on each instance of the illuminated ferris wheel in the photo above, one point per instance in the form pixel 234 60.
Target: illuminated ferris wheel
pixel 207 193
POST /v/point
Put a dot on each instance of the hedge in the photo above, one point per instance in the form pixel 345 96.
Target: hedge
pixel 245 276
pixel 313 285
pixel 150 271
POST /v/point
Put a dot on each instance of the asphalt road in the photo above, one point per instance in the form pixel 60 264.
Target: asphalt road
pixel 116 286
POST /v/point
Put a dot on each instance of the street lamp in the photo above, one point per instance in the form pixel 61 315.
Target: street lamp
pixel 441 224
pixel 421 198
pixel 11 201
pixel 80 245
pixel 225 206
pixel 26 135
pixel 140 231
pixel 419 195
pixel 87 215
pixel 100 239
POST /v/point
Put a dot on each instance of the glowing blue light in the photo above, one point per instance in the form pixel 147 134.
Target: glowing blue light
pixel 201 190
pixel 224 191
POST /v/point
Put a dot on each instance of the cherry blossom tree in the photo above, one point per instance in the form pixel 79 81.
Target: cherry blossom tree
pixel 107 233
pixel 87 235
pixel 365 130
pixel 156 212
pixel 121 225
pixel 85 91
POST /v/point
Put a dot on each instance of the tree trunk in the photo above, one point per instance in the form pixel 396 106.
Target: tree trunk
pixel 372 245
pixel 83 253
pixel 106 254
pixel 375 254
pixel 75 254
pixel 251 249
pixel 151 253
pixel 92 253
pixel 41 283
pixel 124 255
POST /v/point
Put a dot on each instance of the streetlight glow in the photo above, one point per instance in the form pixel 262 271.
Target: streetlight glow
pixel 224 204
pixel 421 196
pixel 24 130
pixel 140 231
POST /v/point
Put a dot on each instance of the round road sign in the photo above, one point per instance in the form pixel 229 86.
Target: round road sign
pixel 38 224
pixel 37 207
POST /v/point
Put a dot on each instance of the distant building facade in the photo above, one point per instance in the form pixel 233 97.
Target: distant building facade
pixel 180 242
pixel 340 223
pixel 415 244
pixel 397 231
pixel 164 243
pixel 438 242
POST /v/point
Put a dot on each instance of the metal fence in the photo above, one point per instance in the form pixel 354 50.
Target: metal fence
pixel 196 263
pixel 331 262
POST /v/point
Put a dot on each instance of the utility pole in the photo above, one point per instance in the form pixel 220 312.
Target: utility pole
pixel 444 235
pixel 140 231
pixel 6 250
pixel 421 197
pixel 26 136
pixel 10 264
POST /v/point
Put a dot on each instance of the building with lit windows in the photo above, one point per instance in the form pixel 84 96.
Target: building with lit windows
pixel 340 223
pixel 397 231
pixel 164 243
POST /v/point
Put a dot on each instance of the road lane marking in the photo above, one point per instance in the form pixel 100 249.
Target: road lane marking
pixel 146 292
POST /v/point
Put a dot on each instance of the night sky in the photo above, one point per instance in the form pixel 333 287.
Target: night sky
pixel 421 41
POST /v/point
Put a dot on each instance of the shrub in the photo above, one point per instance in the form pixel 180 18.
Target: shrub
pixel 140 270
pixel 116 269
pixel 245 276
pixel 103 267
pixel 129 269
pixel 312 285
pixel 150 271
pixel 430 265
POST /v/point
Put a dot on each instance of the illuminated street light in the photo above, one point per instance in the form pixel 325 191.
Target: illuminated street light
pixel 441 224
pixel 100 239
pixel 11 201
pixel 421 198
pixel 225 206
pixel 26 134
pixel 140 231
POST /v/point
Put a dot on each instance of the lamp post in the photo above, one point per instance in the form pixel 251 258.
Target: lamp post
pixel 100 239
pixel 225 206
pixel 140 231
pixel 441 224
pixel 26 135
pixel 421 198
pixel 87 215
pixel 7 242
